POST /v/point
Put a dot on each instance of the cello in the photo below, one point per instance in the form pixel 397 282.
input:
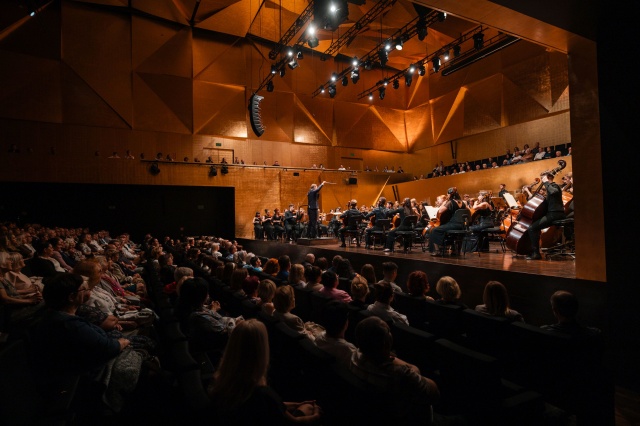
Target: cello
pixel 518 239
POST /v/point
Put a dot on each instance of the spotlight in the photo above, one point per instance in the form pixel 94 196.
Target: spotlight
pixel 333 8
pixel 345 80
pixel 382 55
pixel 456 51
pixel 355 76
pixel 422 70
pixel 445 54
pixel 370 96
pixel 290 52
pixel 321 89
pixel 32 13
pixel 224 169
pixel 293 63
pixel 313 42
pixel 412 68
pixel 396 84
pixel 385 82
pixel 387 46
pixel 442 16
pixel 274 69
pixel 334 76
pixel 408 78
pixel 332 91
pixel 436 64
pixel 382 91
pixel 311 30
pixel 355 62
pixel 154 169
pixel 478 41
pixel 299 55
pixel 283 71
pixel 368 65
pixel 270 86
pixel 213 171
pixel 421 28
pixel 399 43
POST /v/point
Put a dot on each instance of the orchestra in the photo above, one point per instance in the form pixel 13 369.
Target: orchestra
pixel 503 211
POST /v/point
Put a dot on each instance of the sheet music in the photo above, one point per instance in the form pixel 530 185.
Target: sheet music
pixel 510 200
pixel 431 211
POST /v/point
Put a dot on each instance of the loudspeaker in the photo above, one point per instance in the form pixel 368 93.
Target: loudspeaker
pixel 353 181
pixel 254 114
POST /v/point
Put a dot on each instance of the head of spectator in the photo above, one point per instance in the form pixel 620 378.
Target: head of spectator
pixel 284 262
pixel 266 291
pixel 91 269
pixel 448 289
pixel 418 284
pixel 296 275
pixel 374 340
pixel 66 292
pixel 193 295
pixel 564 306
pixel 271 267
pixel 335 318
pixel 384 292
pixel 344 269
pixel 496 299
pixel 322 263
pixel 359 288
pixel 335 261
pixel 250 285
pixel 369 273
pixel 284 300
pixel 329 280
pixel 390 271
pixel 237 278
pixel 309 259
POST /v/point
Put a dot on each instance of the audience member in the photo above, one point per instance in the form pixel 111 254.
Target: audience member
pixel 266 291
pixel 330 284
pixel 390 272
pixel 565 308
pixel 382 305
pixel 449 292
pixel 335 319
pixel 496 302
pixel 418 285
pixel 359 292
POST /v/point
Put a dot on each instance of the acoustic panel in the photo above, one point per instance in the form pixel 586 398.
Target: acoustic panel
pixel 219 109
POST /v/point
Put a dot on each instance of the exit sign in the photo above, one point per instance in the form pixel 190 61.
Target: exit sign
pixel 352 154
pixel 218 143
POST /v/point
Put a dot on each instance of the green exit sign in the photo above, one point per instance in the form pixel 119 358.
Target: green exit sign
pixel 352 154
pixel 218 143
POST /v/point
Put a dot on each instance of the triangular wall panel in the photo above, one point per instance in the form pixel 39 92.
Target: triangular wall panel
pixel 483 106
pixel 151 112
pixel 419 134
pixel 307 128
pixel 149 35
pixel 175 92
pixel 518 105
pixel 235 19
pixel 164 9
pixel 219 110
pixel 172 58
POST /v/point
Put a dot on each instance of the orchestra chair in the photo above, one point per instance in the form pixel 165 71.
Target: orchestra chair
pixel 566 248
pixel 353 229
pixel 454 238
pixel 408 235
pixel 380 235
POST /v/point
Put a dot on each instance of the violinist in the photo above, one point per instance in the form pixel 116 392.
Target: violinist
pixel 503 189
pixel 258 229
pixel 267 224
pixel 290 223
pixel 417 210
pixel 448 208
pixel 323 230
pixel 555 211
pixel 278 228
pixel 484 208
pixel 403 211
pixel 353 211
pixel 379 212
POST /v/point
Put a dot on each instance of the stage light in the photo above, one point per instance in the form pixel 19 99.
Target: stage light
pixel 456 51
pixel 293 63
pixel 334 76
pixel 408 78
pixel 322 89
pixel 382 91
pixel 355 62
pixel 289 52
pixel 332 91
pixel 436 64
pixel 313 42
pixel 478 41
pixel 442 16
pixel 382 55
pixel 270 86
pixel 387 46
pixel 422 70
pixel 370 96
pixel 299 55
pixel 396 84
pixel 445 55
pixel 421 29
pixel 213 171
pixel 274 69
pixel 345 80
pixel 385 82
pixel 399 43
pixel 283 71
pixel 355 76
pixel 367 65
pixel 412 68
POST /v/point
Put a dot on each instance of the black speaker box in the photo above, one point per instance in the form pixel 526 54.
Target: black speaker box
pixel 353 181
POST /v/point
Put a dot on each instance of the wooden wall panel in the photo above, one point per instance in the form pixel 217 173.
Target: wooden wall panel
pixel 447 117
pixel 148 36
pixel 313 121
pixel 419 133
pixel 482 108
pixel 219 109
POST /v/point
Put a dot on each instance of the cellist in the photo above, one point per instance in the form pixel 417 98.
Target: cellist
pixel 555 211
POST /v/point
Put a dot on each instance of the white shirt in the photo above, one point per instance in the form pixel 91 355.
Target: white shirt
pixel 386 313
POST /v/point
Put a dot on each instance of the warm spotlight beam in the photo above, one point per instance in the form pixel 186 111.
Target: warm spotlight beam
pixel 297 25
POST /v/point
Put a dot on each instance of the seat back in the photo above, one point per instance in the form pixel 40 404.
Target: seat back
pixel 409 221
pixel 354 221
pixel 462 216
pixel 443 320
pixel 414 346
pixel 385 224
pixel 412 307
pixel 486 333
pixel 303 307
pixel 318 300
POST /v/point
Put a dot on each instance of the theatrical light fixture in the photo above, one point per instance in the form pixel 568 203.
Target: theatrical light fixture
pixel 355 62
pixel 370 96
pixel 333 8
pixel 399 43
pixel 367 65
pixel 334 76
pixel 311 29
pixel 274 69
pixel 396 84
pixel 299 55
pixel 270 86
pixel 293 63
pixel 445 54
pixel 412 68
pixel 282 72
pixel 355 76
pixel 313 42
pixel 422 70
pixel 436 64
pixel 213 171
pixel 442 16
pixel 332 91
pixel 456 50
pixel 321 89
pixel 154 169
pixel 408 78
pixel 478 41
pixel 421 29
pixel 290 52
pixel 345 80
pixel 382 55
pixel 385 82
pixel 382 91
pixel 387 46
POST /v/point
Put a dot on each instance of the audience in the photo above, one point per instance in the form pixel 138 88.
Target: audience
pixel 565 308
pixel 359 292
pixel 335 319
pixel 496 302
pixel 418 285
pixel 330 284
pixel 390 272
pixel 449 292
pixel 382 305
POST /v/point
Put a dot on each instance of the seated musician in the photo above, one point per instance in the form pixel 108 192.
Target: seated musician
pixel 267 224
pixel 449 207
pixel 353 211
pixel 290 222
pixel 278 228
pixel 555 211
pixel 323 230
pixel 258 229
pixel 380 212
pixel 484 209
pixel 417 210
pixel 403 211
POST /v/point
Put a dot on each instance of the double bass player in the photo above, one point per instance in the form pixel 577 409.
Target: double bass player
pixel 555 211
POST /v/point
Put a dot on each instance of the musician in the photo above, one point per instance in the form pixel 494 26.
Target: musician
pixel 403 211
pixel 335 222
pixel 454 203
pixel 379 212
pixel 258 229
pixel 290 222
pixel 503 190
pixel 278 228
pixel 267 224
pixel 484 211
pixel 300 225
pixel 353 211
pixel 312 200
pixel 555 211
pixel 323 230
pixel 418 211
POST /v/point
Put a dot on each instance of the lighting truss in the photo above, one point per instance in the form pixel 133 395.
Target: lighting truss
pixel 297 25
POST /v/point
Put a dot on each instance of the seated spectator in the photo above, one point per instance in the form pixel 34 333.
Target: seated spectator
pixel 309 260
pixel 271 267
pixel 227 272
pixel 359 292
pixel 330 283
pixel 496 302
pixel 449 292
pixel 240 391
pixel 167 268
pixel 313 276
pixel 335 319
pixel 390 272
pixel 411 395
pixel 180 275
pixel 250 288
pixel 284 262
pixel 42 264
pixel 418 285
pixel 565 308
pixel 255 264
pixel 266 291
pixel 322 263
pixel 296 276
pixel 382 305
pixel 14 275
pixel 344 269
pixel 99 297
pixel 58 247
pixel 20 304
pixel 284 301
pixel 238 277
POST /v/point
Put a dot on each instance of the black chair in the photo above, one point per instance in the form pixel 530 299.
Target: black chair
pixel 380 234
pixel 486 333
pixel 318 300
pixel 353 230
pixel 412 307
pixel 413 345
pixel 566 248
pixel 444 320
pixel 249 309
pixel 408 235
pixel 303 307
pixel 453 238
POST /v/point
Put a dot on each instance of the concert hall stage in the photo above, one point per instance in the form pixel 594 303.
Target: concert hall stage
pixel 530 282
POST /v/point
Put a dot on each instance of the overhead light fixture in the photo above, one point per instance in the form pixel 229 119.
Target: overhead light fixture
pixel 293 63
pixel 421 29
pixel 355 76
pixel 382 55
pixel 213 171
pixel 399 43
pixel 299 55
pixel 422 70
pixel 270 86
pixel 442 16
pixel 456 50
pixel 370 96
pixel 283 71
pixel 345 80
pixel 332 91
pixel 355 63
pixel 289 52
pixel 436 64
pixel 333 8
pixel 311 30
pixel 412 68
pixel 385 82
pixel 388 46
pixel 382 91
pixel 478 41
pixel 274 69
pixel 445 54
pixel 321 89
pixel 396 84
pixel 408 78
pixel 313 42
pixel 154 169
pixel 368 65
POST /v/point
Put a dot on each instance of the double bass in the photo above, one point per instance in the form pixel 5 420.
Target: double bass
pixel 518 238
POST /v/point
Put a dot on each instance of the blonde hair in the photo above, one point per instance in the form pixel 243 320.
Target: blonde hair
pixel 284 299
pixel 296 274
pixel 16 260
pixel 359 287
pixel 448 289
pixel 89 268
pixel 243 366
pixel 266 290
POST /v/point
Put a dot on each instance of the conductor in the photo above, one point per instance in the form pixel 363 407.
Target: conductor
pixel 312 198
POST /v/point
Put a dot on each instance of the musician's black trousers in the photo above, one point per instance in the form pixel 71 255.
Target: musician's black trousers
pixel 540 224
pixel 312 225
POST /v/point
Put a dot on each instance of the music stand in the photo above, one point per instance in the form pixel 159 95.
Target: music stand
pixel 511 201
pixel 499 203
